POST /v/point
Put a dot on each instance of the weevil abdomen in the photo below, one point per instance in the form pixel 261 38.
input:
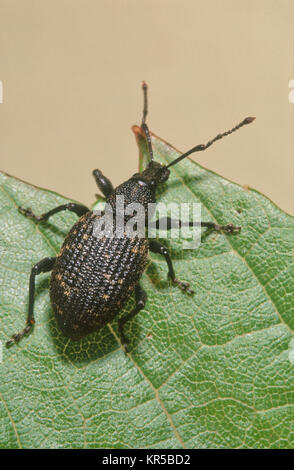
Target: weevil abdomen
pixel 93 277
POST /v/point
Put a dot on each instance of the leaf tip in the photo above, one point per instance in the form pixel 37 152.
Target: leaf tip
pixel 137 131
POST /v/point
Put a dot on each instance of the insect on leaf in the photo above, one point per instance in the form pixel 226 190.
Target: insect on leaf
pixel 211 370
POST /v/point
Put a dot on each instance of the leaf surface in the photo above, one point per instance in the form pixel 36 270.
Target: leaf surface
pixel 212 370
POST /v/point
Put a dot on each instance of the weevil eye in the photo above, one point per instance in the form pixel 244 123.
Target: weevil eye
pixel 163 175
pixel 141 182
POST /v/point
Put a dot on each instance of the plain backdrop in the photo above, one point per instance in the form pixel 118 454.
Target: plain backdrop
pixel 72 70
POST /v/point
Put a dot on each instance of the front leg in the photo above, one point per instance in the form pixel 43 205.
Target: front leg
pixel 157 247
pixel 103 183
pixel 166 223
pixel 78 209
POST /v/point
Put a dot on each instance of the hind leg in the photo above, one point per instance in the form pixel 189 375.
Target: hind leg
pixel 141 298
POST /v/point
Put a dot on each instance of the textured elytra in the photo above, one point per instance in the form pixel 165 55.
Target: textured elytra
pixel 93 277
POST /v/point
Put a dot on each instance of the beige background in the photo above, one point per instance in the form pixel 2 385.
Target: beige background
pixel 72 70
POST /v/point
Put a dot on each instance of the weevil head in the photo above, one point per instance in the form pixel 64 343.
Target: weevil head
pixel 154 174
pixel 141 187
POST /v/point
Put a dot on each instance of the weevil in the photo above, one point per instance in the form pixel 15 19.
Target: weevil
pixel 93 277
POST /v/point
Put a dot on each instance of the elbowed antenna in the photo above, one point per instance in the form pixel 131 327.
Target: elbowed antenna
pixel 202 147
pixel 144 125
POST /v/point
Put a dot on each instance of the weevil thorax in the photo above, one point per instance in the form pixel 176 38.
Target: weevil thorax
pixel 141 187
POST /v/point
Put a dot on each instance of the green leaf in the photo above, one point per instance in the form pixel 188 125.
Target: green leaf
pixel 212 370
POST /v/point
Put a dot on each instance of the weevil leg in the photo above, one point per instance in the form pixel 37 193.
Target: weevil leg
pixel 103 183
pixel 43 266
pixel 157 247
pixel 167 223
pixel 228 228
pixel 78 209
pixel 141 297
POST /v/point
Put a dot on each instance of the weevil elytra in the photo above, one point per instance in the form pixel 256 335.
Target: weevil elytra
pixel 92 277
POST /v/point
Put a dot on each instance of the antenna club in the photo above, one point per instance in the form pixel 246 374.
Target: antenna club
pixel 144 85
pixel 249 119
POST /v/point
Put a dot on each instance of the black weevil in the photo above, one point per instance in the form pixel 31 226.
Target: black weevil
pixel 92 277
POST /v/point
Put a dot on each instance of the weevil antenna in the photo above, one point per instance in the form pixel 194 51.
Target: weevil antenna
pixel 144 125
pixel 202 147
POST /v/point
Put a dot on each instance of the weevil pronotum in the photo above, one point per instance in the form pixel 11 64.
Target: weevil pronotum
pixel 92 278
